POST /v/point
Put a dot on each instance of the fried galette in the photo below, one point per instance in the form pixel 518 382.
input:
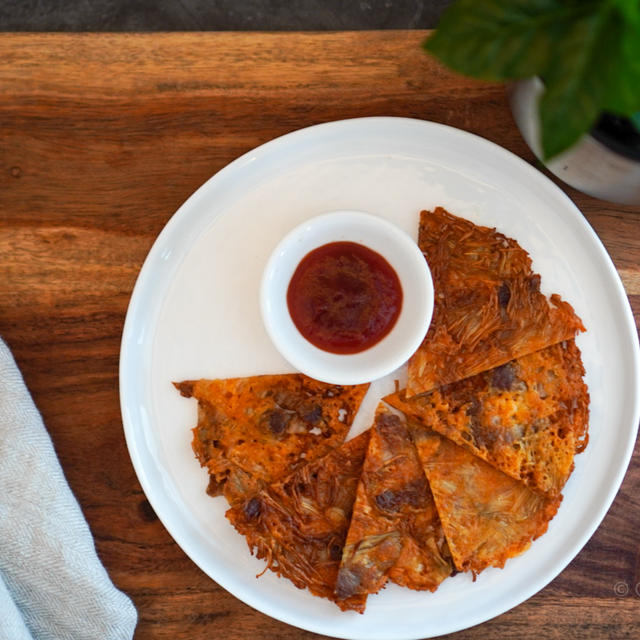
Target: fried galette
pixel 527 417
pixel 488 305
pixel 253 431
pixel 299 524
pixel 487 516
pixel 395 532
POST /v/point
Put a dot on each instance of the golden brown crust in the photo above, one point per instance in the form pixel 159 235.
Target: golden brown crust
pixel 487 516
pixel 253 431
pixel 488 305
pixel 498 373
pixel 526 418
pixel 299 525
pixel 395 532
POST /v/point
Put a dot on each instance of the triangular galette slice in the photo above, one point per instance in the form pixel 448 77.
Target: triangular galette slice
pixel 487 516
pixel 300 523
pixel 527 417
pixel 253 431
pixel 488 305
pixel 395 532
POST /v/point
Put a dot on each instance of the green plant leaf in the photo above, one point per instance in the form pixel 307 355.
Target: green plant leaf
pixel 630 9
pixel 594 71
pixel 502 39
pixel 623 94
pixel 586 51
pixel 573 96
pixel 635 120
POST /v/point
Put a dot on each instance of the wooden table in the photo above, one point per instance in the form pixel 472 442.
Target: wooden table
pixel 102 137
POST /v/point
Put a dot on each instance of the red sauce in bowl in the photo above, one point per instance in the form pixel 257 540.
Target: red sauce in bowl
pixel 344 297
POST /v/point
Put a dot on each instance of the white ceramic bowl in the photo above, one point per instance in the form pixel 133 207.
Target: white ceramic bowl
pixel 400 251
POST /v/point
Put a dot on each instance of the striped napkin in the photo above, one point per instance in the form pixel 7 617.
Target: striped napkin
pixel 52 584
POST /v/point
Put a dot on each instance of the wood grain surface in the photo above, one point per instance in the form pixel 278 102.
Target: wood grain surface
pixel 102 137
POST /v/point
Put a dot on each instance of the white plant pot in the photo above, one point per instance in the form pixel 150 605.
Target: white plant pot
pixel 589 166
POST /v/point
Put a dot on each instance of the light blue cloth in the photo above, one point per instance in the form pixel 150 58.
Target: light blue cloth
pixel 52 584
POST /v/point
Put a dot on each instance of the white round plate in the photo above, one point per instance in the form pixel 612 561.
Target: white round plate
pixel 194 313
